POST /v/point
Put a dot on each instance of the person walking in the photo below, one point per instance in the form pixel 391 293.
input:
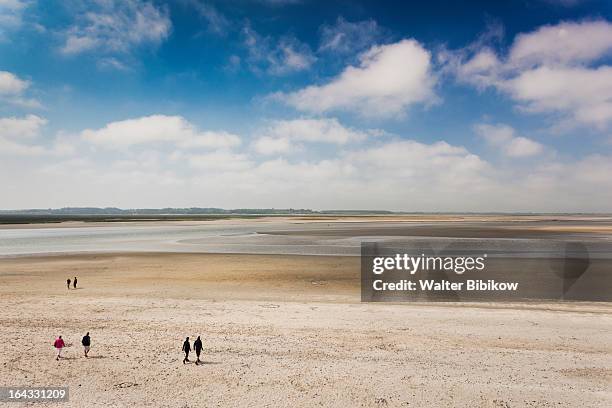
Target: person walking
pixel 186 349
pixel 74 282
pixel 68 283
pixel 59 345
pixel 197 346
pixel 86 343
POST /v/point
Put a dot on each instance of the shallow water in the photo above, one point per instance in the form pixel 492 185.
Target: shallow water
pixel 282 237
pixel 239 238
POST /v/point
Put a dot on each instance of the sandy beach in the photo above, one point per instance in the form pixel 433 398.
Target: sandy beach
pixel 352 203
pixel 286 330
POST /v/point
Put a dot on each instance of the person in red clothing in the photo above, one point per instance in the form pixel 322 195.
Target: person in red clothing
pixel 59 345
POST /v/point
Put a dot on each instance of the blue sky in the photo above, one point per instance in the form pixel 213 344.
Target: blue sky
pixel 440 106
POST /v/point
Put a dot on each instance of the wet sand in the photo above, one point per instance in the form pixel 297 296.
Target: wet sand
pixel 286 331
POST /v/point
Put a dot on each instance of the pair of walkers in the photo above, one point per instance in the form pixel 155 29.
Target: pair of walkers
pixel 59 344
pixel 197 346
pixel 74 282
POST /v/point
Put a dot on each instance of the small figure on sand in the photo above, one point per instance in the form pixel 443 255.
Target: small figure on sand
pixel 86 343
pixel 74 282
pixel 59 345
pixel 197 346
pixel 186 349
pixel 68 283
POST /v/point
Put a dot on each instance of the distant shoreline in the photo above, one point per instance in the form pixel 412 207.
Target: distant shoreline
pixel 8 217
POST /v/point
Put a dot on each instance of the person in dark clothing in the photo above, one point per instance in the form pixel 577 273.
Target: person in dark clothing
pixel 186 349
pixel 74 282
pixel 68 283
pixel 197 346
pixel 86 343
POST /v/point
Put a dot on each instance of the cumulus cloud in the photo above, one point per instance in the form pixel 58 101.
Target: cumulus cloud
pixel 585 93
pixel 13 89
pixel 21 136
pixel 11 84
pixel 400 175
pixel 273 145
pixel 117 27
pixel 266 54
pixel 438 168
pixel 564 43
pixel 481 70
pixel 21 128
pixel 504 138
pixel 383 176
pixel 389 79
pixel 155 129
pixel 381 173
pixel 554 69
pixel 283 136
pixel 13 148
pixel 220 161
pixel 212 140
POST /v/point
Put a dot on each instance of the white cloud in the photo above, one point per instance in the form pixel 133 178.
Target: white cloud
pixel 22 137
pixel 281 135
pixel 12 4
pixel 11 15
pixel 221 161
pixel 76 44
pixel 276 57
pixel 212 140
pixel 13 89
pixel 555 69
pixel 346 37
pixel 522 147
pixel 13 148
pixel 481 70
pixel 389 79
pixel 27 127
pixel 564 43
pixel 583 92
pixel 217 23
pixel 11 84
pixel 505 138
pixel 397 174
pixel 425 172
pixel 112 63
pixel 155 129
pixel 273 145
pixel 117 27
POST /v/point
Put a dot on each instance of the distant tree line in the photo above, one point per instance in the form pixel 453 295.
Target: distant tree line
pixel 110 211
